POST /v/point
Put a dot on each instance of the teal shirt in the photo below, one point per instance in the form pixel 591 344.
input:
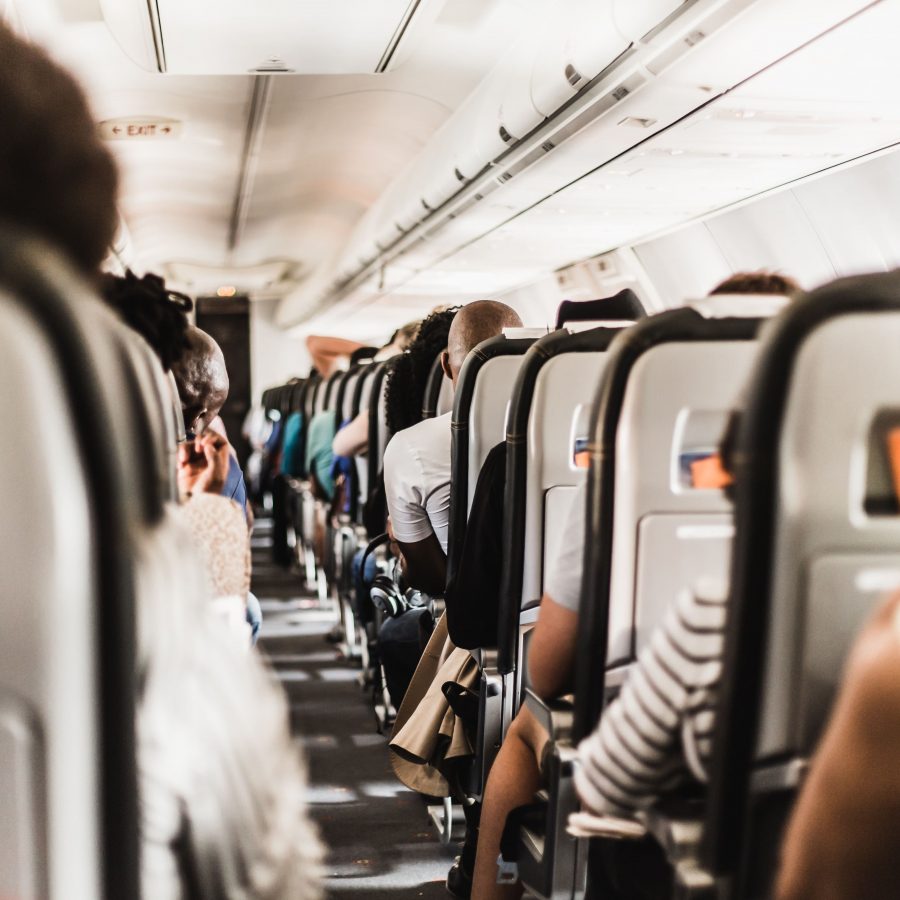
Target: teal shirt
pixel 319 456
pixel 291 463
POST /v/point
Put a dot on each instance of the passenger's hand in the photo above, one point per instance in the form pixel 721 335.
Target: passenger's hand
pixel 394 546
pixel 203 464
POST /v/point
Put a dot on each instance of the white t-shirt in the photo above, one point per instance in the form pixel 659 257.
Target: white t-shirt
pixel 417 481
pixel 563 582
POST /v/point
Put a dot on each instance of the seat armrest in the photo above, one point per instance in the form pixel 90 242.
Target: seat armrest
pixel 486 657
pixel 555 716
pixel 679 831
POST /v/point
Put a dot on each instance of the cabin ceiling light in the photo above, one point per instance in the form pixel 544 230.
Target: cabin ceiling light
pixel 226 291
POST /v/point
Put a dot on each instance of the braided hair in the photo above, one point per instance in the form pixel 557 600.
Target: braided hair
pixel 156 313
pixel 408 375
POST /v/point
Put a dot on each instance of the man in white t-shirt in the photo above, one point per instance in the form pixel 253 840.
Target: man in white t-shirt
pixel 417 459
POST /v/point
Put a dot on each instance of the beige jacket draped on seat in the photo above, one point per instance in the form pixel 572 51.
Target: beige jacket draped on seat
pixel 427 733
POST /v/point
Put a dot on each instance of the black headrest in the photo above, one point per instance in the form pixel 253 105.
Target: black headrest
pixel 363 354
pixel 623 306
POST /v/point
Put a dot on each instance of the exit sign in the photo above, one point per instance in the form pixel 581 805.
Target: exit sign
pixel 140 129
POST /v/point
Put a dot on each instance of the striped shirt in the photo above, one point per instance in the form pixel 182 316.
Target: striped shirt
pixel 659 729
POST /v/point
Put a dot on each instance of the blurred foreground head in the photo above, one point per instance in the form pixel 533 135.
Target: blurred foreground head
pixel 57 179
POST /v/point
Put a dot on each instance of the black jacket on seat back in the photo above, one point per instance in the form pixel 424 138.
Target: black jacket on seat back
pixel 473 592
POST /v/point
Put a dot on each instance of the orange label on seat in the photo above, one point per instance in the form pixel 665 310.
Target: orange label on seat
pixel 893 447
pixel 709 474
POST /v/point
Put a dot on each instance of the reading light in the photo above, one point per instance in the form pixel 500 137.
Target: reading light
pixel 227 291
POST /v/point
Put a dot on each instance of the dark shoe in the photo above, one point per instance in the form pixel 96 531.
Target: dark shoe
pixel 459 881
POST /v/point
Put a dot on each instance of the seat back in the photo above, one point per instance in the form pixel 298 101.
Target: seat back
pixel 624 306
pixel 343 401
pixel 670 383
pixel 483 391
pixel 68 782
pixel 328 397
pixel 379 435
pixel 362 397
pixel 433 389
pixel 310 396
pixel 554 386
pixel 815 549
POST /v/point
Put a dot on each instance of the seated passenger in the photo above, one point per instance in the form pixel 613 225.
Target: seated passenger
pixel 401 639
pixel 319 455
pixel 202 380
pixel 292 461
pixel 207 463
pixel 159 315
pixel 417 460
pixel 841 842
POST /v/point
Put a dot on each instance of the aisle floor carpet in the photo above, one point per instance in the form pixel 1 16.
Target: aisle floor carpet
pixel 381 843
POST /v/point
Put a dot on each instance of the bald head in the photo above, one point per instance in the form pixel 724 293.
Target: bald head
pixel 474 323
pixel 202 380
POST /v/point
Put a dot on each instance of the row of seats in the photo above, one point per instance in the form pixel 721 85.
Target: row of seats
pixel 799 388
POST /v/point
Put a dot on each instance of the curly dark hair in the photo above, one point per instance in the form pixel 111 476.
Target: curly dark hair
pixel 761 282
pixel 408 375
pixel 156 313
pixel 58 180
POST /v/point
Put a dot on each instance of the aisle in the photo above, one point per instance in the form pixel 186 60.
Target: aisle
pixel 381 843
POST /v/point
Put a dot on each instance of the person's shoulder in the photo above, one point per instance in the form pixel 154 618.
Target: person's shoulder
pixel 398 452
pixel 432 431
pixel 422 433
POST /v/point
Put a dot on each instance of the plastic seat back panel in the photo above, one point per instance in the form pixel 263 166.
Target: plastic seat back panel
pixel 488 412
pixel 557 506
pixel 48 667
pixel 675 395
pixel 676 552
pixel 22 846
pixel 564 390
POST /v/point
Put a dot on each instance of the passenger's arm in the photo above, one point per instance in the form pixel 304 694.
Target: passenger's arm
pixel 551 651
pixel 326 351
pixel 842 838
pixel 353 438
pixel 635 754
pixel 424 565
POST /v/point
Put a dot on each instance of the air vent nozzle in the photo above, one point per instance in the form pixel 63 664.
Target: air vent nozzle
pixel 573 76
pixel 505 136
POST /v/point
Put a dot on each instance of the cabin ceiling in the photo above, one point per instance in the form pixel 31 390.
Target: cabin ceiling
pixel 325 146
pixel 274 183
